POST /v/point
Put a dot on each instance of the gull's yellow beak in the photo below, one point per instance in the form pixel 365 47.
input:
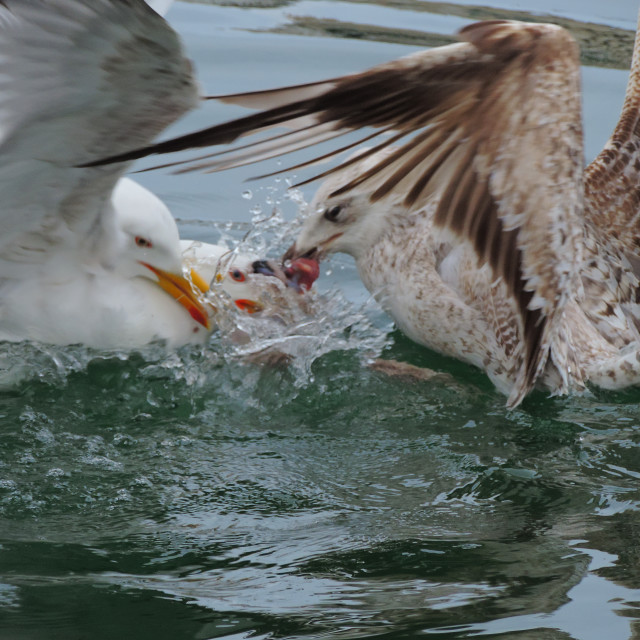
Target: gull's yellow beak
pixel 181 289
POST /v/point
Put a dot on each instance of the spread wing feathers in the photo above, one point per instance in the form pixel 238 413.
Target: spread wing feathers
pixel 612 180
pixel 612 217
pixel 492 129
pixel 78 78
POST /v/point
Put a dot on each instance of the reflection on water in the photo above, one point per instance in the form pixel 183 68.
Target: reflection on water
pixel 206 494
pixel 355 506
pixel 319 526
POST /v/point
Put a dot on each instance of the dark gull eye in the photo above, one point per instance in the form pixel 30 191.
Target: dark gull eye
pixel 331 213
pixel 237 275
pixel 143 243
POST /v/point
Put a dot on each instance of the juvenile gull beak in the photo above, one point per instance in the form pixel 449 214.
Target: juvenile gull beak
pixel 290 253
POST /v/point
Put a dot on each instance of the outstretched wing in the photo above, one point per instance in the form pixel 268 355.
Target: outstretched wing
pixel 612 216
pixel 78 79
pixel 491 127
pixel 160 6
pixel 612 180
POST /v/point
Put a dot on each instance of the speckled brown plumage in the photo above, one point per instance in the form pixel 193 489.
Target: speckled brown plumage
pixel 474 220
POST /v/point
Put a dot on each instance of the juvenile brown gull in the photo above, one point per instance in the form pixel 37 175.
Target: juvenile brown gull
pixel 473 218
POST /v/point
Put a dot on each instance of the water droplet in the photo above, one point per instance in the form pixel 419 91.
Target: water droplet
pixel 247 195
pixel 296 196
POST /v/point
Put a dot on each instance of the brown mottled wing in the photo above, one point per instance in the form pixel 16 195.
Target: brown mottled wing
pixel 612 216
pixel 490 126
pixel 527 178
pixel 612 180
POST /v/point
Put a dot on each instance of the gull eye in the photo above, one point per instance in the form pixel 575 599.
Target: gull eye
pixel 143 243
pixel 237 275
pixel 331 213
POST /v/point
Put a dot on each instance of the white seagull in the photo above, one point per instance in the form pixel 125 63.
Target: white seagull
pixel 87 256
pixel 474 219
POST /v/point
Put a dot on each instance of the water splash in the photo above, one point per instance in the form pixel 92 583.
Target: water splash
pixel 293 330
pixel 46 363
pixel 302 331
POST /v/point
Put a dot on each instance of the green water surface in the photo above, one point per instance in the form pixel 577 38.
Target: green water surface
pixel 199 495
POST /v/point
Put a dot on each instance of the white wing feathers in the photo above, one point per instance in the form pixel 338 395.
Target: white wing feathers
pixel 78 79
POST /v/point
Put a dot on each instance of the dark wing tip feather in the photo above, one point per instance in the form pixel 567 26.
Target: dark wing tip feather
pixel 467 208
pixel 224 133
